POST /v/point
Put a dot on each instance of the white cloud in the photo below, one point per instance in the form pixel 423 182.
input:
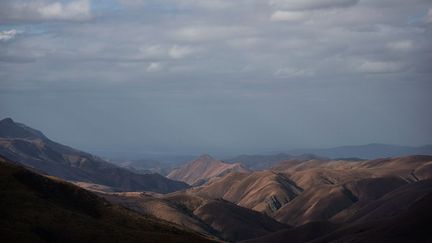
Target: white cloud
pixel 152 51
pixel 311 4
pixel 8 35
pixel 207 4
pixel 154 67
pixel 290 16
pixel 43 10
pixel 206 33
pixel 429 16
pixel 404 45
pixel 202 4
pixel 177 51
pixel 380 67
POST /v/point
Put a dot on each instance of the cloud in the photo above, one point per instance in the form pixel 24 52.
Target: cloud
pixel 184 4
pixel 206 33
pixel 311 4
pixel 380 67
pixel 207 4
pixel 290 16
pixel 44 10
pixel 8 35
pixel 152 52
pixel 429 16
pixel 404 45
pixel 293 72
pixel 178 52
pixel 154 67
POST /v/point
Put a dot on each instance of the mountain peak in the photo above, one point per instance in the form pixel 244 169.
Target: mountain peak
pixel 11 129
pixel 205 157
pixel 7 120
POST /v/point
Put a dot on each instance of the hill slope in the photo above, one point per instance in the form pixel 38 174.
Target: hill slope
pixel 262 191
pixel 35 208
pixel 33 149
pixel 260 162
pixel 214 217
pixel 402 215
pixel 202 169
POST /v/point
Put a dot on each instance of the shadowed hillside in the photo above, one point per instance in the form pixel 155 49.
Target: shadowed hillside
pixel 35 208
pixel 214 217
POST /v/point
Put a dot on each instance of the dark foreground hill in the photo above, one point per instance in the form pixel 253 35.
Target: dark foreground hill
pixel 36 208
pixel 30 147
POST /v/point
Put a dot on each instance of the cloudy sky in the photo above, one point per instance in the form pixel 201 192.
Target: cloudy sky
pixel 218 75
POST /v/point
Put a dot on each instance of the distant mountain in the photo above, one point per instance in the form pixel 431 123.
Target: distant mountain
pixel 260 162
pixel 36 208
pixel 146 166
pixel 30 147
pixel 202 169
pixel 368 151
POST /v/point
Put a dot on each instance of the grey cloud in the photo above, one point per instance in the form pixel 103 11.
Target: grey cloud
pixel 44 10
pixel 311 4
pixel 230 77
pixel 8 35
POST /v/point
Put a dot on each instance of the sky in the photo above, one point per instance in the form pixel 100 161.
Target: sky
pixel 192 76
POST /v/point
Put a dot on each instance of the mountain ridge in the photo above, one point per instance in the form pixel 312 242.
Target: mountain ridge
pixel 204 168
pixel 32 148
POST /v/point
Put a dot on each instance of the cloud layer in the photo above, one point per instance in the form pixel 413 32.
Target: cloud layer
pixel 234 74
pixel 43 10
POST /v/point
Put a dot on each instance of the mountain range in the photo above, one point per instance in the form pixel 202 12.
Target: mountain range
pixel 367 151
pixel 284 198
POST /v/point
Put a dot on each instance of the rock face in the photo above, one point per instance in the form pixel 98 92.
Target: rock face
pixel 36 208
pixel 202 169
pixel 31 148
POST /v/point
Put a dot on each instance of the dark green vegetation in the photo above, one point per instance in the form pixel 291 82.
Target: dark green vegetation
pixel 35 208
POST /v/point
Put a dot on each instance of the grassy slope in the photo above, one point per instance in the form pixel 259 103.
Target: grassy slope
pixel 34 208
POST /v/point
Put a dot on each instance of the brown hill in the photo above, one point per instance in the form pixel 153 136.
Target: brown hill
pixel 388 205
pixel 402 215
pixel 213 217
pixel 324 202
pixel 308 174
pixel 410 225
pixel 199 171
pixel 31 148
pixel 35 208
pixel 263 191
